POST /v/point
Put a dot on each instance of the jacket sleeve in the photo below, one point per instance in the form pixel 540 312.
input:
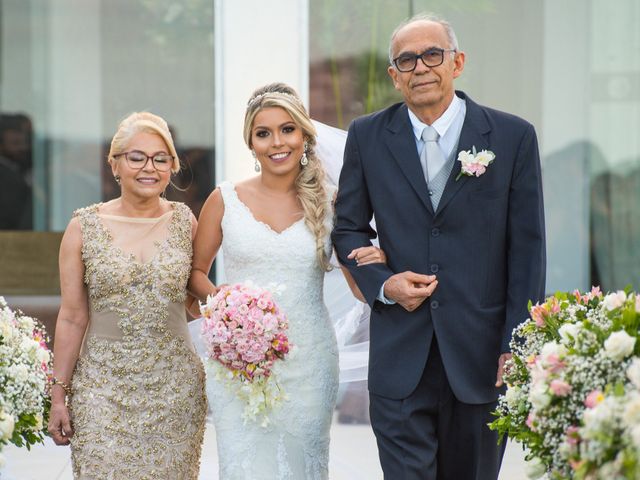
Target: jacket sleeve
pixel 526 256
pixel 352 227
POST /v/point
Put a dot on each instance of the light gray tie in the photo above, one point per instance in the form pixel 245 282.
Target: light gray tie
pixel 432 160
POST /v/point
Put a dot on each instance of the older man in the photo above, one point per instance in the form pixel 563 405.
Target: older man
pixel 455 188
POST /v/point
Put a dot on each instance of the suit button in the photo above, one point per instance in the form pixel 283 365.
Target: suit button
pixel 434 304
pixel 435 232
pixel 435 268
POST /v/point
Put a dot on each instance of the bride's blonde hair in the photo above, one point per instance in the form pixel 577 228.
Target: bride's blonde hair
pixel 310 182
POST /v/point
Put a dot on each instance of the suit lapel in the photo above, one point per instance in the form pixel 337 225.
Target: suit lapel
pixel 475 133
pixel 402 145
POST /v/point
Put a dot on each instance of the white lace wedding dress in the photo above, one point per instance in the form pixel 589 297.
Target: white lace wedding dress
pixel 295 445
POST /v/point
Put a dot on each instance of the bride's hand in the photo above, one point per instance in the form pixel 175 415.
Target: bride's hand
pixel 368 255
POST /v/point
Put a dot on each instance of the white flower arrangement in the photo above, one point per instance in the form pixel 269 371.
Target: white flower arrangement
pixel 25 373
pixel 573 394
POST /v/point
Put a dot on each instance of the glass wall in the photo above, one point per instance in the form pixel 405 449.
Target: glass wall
pixel 571 68
pixel 69 72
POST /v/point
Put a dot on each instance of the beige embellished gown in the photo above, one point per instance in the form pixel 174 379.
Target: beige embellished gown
pixel 138 406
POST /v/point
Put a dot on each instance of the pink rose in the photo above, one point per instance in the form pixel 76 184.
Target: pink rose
pixel 269 322
pixel 258 329
pixel 560 388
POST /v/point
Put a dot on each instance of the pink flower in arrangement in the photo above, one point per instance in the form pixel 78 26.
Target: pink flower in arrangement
pixel 554 363
pixel 593 399
pixel 573 436
pixel 539 314
pixel 576 464
pixel 530 422
pixel 560 388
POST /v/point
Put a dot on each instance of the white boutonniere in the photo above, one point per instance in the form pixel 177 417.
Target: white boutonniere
pixel 474 163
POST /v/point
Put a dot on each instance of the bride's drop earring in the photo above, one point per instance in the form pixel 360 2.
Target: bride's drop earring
pixel 117 179
pixel 256 165
pixel 304 160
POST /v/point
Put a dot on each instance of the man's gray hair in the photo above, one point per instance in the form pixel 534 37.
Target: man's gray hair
pixel 429 17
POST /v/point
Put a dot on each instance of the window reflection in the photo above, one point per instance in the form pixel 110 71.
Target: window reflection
pixel 69 72
pixel 16 175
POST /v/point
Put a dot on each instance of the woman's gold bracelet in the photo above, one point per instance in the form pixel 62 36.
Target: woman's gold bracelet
pixel 65 387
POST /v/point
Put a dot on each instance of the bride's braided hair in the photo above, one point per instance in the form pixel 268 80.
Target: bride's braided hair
pixel 310 182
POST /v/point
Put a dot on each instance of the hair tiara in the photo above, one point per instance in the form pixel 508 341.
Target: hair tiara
pixel 257 98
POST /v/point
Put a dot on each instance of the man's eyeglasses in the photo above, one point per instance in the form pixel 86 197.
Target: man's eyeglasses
pixel 432 57
pixel 137 160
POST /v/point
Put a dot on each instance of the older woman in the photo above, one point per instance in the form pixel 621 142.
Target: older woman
pixel 129 388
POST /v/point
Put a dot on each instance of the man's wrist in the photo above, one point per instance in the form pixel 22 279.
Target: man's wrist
pixel 382 298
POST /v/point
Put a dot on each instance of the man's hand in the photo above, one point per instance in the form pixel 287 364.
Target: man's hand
pixel 410 289
pixel 503 358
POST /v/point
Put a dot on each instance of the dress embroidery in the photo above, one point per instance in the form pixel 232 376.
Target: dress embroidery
pixel 138 406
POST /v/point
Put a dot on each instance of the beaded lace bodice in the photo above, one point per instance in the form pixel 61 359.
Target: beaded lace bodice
pixel 138 406
pixel 296 443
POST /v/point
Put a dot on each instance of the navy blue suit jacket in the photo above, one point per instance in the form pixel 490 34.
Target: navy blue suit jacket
pixel 485 243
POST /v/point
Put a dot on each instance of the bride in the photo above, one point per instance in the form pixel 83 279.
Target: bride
pixel 274 229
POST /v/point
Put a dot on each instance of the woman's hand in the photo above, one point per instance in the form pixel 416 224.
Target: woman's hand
pixel 367 255
pixel 60 423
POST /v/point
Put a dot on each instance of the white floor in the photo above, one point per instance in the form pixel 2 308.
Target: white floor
pixel 353 457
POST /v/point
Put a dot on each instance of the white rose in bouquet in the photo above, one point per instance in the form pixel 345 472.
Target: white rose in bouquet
pixel 635 436
pixel 535 469
pixel 632 409
pixel 633 372
pixel 569 332
pixel 27 323
pixel 6 330
pixel 512 395
pixel 539 396
pixel 6 426
pixel 619 345
pixel 614 300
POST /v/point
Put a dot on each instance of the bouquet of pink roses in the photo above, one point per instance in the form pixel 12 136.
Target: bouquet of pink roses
pixel 245 331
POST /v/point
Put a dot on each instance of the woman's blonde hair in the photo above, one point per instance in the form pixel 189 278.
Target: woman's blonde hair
pixel 310 182
pixel 146 122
